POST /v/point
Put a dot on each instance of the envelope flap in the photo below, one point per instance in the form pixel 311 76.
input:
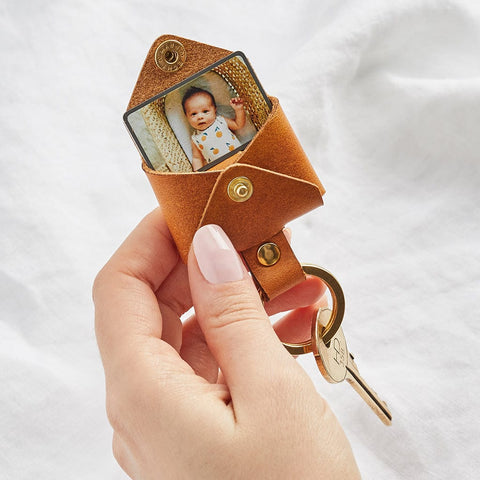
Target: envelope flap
pixel 277 148
pixel 276 200
pixel 153 80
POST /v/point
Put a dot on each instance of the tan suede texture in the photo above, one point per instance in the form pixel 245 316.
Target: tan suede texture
pixel 285 184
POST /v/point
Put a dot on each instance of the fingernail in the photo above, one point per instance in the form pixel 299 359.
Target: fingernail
pixel 216 257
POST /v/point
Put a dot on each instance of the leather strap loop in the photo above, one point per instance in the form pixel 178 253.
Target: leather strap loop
pixel 280 277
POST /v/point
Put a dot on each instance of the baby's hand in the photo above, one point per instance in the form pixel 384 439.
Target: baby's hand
pixel 237 103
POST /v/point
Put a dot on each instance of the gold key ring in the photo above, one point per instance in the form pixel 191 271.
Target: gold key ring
pixel 336 317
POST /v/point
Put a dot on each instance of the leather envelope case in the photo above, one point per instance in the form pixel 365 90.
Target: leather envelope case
pixel 283 182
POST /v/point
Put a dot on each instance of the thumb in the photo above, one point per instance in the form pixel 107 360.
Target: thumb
pixel 233 320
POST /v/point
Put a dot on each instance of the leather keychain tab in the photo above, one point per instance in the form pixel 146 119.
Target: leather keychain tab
pixel 274 266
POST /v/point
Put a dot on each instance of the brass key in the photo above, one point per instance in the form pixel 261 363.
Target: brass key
pixel 337 364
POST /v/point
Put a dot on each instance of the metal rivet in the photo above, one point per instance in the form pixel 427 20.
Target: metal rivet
pixel 268 254
pixel 170 55
pixel 240 189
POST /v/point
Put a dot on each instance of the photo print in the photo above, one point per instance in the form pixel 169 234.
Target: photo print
pixel 202 121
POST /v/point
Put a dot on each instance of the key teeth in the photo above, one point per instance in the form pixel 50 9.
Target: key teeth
pixel 379 406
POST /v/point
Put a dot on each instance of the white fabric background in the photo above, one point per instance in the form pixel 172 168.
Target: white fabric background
pixel 385 97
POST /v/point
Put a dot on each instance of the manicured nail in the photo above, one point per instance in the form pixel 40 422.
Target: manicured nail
pixel 216 257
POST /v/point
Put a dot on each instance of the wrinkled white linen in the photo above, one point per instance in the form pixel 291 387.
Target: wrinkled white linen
pixel 385 97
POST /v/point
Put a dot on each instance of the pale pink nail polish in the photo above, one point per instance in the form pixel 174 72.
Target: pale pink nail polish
pixel 216 256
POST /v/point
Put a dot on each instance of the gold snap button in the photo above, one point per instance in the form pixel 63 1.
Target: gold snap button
pixel 268 254
pixel 240 189
pixel 170 55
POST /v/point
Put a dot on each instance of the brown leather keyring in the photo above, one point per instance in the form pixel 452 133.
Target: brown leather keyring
pixel 253 194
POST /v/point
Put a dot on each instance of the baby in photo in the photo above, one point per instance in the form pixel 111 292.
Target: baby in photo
pixel 213 135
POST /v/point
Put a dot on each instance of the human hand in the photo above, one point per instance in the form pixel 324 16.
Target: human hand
pixel 237 103
pixel 173 415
